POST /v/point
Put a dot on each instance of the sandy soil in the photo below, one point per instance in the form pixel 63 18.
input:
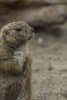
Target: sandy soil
pixel 49 70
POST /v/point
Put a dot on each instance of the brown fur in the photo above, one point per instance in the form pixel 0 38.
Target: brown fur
pixel 15 72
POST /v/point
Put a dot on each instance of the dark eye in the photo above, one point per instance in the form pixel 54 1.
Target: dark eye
pixel 18 29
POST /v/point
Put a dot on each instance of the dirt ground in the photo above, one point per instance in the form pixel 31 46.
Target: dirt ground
pixel 49 69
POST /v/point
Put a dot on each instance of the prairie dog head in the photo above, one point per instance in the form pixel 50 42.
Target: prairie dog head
pixel 16 33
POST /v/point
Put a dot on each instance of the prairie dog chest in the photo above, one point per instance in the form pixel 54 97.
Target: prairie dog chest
pixel 21 54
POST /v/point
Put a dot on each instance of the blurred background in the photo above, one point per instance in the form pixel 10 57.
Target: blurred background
pixel 49 46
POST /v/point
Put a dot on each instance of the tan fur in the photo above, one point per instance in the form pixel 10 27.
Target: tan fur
pixel 15 62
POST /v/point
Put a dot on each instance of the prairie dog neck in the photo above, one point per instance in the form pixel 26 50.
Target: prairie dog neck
pixel 20 54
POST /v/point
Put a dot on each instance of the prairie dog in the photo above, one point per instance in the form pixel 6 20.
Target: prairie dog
pixel 15 61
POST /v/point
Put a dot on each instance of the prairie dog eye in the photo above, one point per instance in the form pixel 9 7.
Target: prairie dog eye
pixel 18 29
